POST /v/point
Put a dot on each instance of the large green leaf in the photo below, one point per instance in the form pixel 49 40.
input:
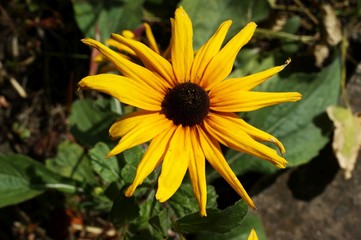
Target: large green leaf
pixel 220 221
pixel 302 127
pixel 90 120
pixel 71 161
pixel 208 15
pixel 107 16
pixel 108 169
pixel 22 178
pixel 250 221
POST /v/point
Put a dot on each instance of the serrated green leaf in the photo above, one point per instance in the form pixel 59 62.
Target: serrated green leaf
pixel 22 178
pixel 108 169
pixel 107 17
pixel 220 221
pixel 90 120
pixel 208 15
pixel 70 161
pixel 302 127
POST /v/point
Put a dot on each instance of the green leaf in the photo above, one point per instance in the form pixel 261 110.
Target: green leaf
pixel 132 157
pixel 124 210
pixel 208 15
pixel 107 17
pixel 303 127
pixel 183 202
pixel 251 220
pixel 70 161
pixel 220 221
pixel 108 169
pixel 161 222
pixel 90 120
pixel 22 178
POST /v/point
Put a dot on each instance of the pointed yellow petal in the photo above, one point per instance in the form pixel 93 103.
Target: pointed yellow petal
pixel 253 132
pixel 150 37
pixel 222 63
pixel 253 235
pixel 151 59
pixel 151 126
pixel 126 123
pixel 213 154
pixel 120 47
pixel 151 158
pixel 197 173
pixel 233 136
pixel 182 45
pixel 246 83
pixel 128 68
pixel 126 90
pixel 175 164
pixel 208 51
pixel 244 101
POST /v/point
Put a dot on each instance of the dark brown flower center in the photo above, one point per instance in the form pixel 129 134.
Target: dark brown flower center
pixel 186 104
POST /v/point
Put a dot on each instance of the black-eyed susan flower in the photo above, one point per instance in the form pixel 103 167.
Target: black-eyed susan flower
pixel 187 108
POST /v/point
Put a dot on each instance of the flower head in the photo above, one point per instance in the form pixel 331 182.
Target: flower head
pixel 187 108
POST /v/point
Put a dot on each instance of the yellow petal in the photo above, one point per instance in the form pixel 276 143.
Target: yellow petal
pixel 222 63
pixel 246 83
pixel 151 158
pixel 126 90
pixel 128 68
pixel 244 101
pixel 197 173
pixel 252 235
pixel 175 164
pixel 150 37
pixel 151 59
pixel 208 51
pixel 182 45
pixel 233 136
pixel 128 34
pixel 120 47
pixel 213 154
pixel 152 126
pixel 253 132
pixel 126 123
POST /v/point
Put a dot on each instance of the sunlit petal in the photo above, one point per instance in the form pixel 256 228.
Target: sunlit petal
pixel 152 126
pixel 197 173
pixel 208 51
pixel 213 154
pixel 175 163
pixel 244 101
pixel 222 63
pixel 128 68
pixel 150 37
pixel 151 159
pixel 125 89
pixel 151 59
pixel 182 45
pixel 246 83
pixel 128 122
pixel 233 136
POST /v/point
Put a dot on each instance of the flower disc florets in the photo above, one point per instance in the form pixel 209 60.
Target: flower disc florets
pixel 186 104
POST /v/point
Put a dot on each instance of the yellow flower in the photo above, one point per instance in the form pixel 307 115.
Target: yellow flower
pixel 252 235
pixel 187 108
pixel 127 52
